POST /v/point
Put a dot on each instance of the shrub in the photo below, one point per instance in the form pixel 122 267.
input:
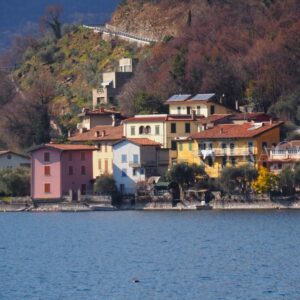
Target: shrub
pixel 15 182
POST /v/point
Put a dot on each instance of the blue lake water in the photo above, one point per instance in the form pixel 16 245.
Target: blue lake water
pixel 189 255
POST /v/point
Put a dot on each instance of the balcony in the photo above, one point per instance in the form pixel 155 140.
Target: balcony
pixel 227 152
pixel 136 164
pixel 285 154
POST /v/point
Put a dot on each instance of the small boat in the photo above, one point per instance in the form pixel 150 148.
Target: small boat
pixel 101 207
pixel 203 206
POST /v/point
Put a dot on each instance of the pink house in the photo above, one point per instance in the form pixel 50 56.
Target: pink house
pixel 58 169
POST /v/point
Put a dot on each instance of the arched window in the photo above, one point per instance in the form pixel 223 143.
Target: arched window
pixel 147 130
pixel 141 130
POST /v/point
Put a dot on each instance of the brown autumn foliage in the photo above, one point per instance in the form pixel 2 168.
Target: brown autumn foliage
pixel 247 50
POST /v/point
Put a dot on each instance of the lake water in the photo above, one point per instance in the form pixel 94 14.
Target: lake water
pixel 188 255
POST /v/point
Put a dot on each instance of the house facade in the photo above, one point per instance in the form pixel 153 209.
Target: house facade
pixel 163 129
pixel 59 169
pixel 135 160
pixel 102 137
pixel 229 145
pixel 285 154
pixel 13 160
pixel 202 104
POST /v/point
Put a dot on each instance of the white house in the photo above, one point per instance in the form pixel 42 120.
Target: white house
pixel 135 160
pixel 13 160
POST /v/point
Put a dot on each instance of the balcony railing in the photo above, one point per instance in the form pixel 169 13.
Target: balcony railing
pixel 136 164
pixel 227 152
pixel 285 154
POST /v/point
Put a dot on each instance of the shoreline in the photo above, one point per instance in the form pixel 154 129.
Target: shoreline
pixel 151 207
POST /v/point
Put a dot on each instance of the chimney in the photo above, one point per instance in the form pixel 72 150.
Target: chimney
pixel 237 105
pixel 103 133
pixel 221 130
pixel 102 109
pixel 271 121
pixel 97 133
pixel 69 133
pixel 221 98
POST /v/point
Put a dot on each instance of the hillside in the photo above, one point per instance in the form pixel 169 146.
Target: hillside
pixel 245 50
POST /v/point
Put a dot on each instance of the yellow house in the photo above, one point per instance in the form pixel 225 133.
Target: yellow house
pixel 230 145
pixel 103 137
pixel 164 129
pixel 202 104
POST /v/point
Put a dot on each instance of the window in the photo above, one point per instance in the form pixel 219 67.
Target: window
pixel 122 188
pixel 173 127
pixel 47 171
pixel 82 156
pixel 157 131
pixel 190 146
pixel 8 156
pixel 224 161
pixel 187 127
pixel 198 110
pixel 210 146
pixel 70 156
pixel 135 158
pixel 124 158
pixel 178 110
pixel 47 188
pixel 232 148
pixel 105 147
pixel 142 171
pixel 180 146
pixel 279 166
pixel 47 156
pixel 210 161
pixel 250 147
pixel 99 164
pixel 148 130
pixel 202 146
pixel 264 145
pixel 106 166
pixel 134 172
pixel 83 189
pixel 124 172
pixel 224 146
pixel 174 145
pixel 233 161
pixel 132 130
pixel 188 110
pixel 83 170
pixel 141 130
pixel 212 109
pixel 100 147
pixel 70 170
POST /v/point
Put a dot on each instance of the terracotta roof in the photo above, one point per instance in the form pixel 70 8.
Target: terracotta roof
pixel 251 116
pixel 64 147
pixel 140 142
pixel 100 133
pixel 144 142
pixel 147 118
pixel 161 118
pixel 227 131
pixel 213 118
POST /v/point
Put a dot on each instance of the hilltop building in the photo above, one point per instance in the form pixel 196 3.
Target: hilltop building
pixel 98 117
pixel 59 170
pixel 112 83
pixel 135 160
pixel 230 145
pixel 202 104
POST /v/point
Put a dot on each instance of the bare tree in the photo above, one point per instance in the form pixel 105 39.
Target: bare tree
pixel 51 19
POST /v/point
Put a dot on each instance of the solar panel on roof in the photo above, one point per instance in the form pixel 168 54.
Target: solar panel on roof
pixel 203 97
pixel 179 97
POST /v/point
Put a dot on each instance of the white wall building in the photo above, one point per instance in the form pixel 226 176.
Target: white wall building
pixel 12 160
